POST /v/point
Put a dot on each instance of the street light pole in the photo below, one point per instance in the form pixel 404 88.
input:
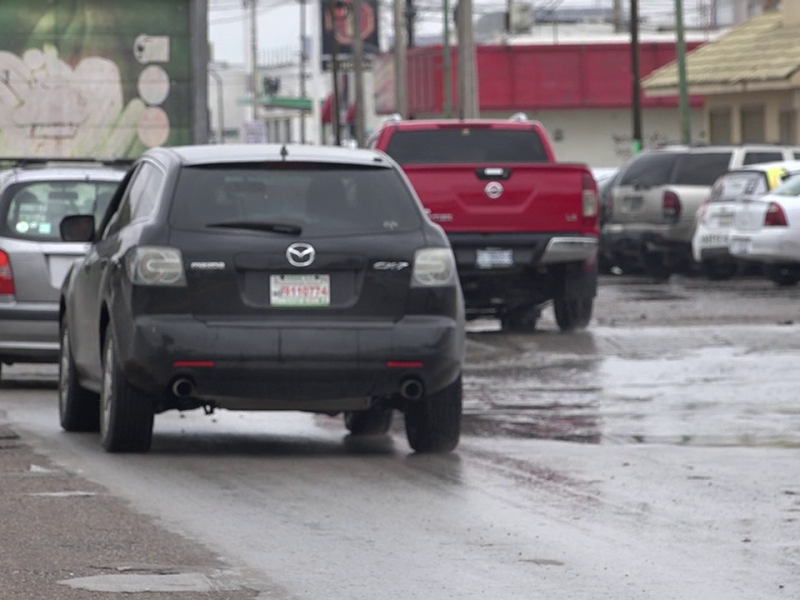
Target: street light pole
pixel 303 59
pixel 254 55
pixel 448 64
pixel 220 105
pixel 686 129
pixel 636 101
pixel 335 120
pixel 358 68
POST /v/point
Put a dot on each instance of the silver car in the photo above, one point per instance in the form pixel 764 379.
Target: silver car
pixel 35 195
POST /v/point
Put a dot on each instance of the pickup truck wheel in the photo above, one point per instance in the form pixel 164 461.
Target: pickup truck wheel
pixel 782 275
pixel 126 414
pixel 520 319
pixel 573 313
pixel 77 406
pixel 717 270
pixel 654 266
pixel 376 420
pixel 433 424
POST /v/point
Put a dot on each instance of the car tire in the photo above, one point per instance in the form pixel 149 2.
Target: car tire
pixel 573 313
pixel 782 275
pixel 520 320
pixel 376 420
pixel 433 423
pixel 716 270
pixel 654 266
pixel 126 414
pixel 78 408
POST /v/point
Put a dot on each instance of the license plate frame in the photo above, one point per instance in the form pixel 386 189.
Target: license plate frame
pixel 494 258
pixel 300 291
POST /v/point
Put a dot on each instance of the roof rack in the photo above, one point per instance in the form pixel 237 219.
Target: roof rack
pixel 10 162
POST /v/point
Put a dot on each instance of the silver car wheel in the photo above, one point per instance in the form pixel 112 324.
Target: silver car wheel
pixel 108 387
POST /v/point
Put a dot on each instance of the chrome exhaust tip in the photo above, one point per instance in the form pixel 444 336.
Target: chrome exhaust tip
pixel 412 389
pixel 182 388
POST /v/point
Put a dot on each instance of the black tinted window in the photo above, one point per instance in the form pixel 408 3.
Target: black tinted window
pixel 753 158
pixel 650 169
pixel 34 210
pixel 321 199
pixel 701 168
pixel 467 145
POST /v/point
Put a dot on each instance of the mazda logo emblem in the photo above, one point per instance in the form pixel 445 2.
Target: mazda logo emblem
pixel 301 254
pixel 494 190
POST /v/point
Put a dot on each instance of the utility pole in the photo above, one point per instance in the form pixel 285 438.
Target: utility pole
pixel 468 85
pixel 220 105
pixel 686 128
pixel 510 17
pixel 400 63
pixel 254 56
pixel 411 13
pixel 619 17
pixel 448 63
pixel 335 113
pixel 358 68
pixel 636 102
pixel 303 59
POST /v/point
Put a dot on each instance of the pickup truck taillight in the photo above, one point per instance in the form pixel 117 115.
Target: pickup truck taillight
pixel 6 276
pixel 775 216
pixel 671 206
pixel 590 205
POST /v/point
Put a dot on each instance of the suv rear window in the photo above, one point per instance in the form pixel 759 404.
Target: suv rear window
pixel 735 186
pixel 701 168
pixel 318 198
pixel 650 169
pixel 467 145
pixel 34 210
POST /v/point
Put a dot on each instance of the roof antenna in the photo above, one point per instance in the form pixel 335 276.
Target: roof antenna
pixel 284 152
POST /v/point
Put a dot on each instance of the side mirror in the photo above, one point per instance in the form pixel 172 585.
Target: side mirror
pixel 77 228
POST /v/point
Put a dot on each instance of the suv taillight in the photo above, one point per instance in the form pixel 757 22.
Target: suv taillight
pixel 671 206
pixel 590 204
pixel 775 216
pixel 6 276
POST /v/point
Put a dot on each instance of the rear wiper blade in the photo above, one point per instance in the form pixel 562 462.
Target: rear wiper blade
pixel 287 228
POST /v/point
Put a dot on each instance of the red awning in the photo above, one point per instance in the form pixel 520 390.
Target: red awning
pixel 327 109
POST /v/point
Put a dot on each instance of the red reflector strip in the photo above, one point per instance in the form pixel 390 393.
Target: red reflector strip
pixel 194 363
pixel 404 364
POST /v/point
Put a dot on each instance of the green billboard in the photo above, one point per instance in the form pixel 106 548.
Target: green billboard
pixel 98 78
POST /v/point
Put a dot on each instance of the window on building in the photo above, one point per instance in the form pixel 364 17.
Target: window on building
pixel 787 126
pixel 287 131
pixel 753 124
pixel 720 125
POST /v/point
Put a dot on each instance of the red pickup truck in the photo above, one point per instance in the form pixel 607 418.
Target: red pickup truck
pixel 523 227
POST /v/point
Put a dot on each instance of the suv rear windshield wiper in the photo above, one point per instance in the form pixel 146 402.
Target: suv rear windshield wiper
pixel 287 228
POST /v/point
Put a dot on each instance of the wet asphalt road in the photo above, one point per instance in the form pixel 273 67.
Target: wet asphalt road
pixel 654 456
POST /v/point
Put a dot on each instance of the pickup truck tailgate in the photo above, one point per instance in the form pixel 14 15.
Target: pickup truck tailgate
pixel 505 198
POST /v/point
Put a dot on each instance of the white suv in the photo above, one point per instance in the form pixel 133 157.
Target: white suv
pixel 653 209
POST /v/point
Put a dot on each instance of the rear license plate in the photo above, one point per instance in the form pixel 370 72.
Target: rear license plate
pixel 740 247
pixel 725 221
pixel 493 258
pixel 300 290
pixel 632 202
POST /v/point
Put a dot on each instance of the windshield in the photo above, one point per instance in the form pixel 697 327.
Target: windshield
pixel 290 198
pixel 467 145
pixel 34 210
pixel 738 185
pixel 790 187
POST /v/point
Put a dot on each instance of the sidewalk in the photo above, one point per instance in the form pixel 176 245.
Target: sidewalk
pixel 65 538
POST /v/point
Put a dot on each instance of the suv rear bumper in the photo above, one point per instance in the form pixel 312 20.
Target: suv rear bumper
pixel 319 366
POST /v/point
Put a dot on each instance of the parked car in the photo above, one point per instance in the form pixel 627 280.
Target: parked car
pixel 655 204
pixel 715 219
pixel 767 230
pixel 34 196
pixel 262 277
pixel 523 226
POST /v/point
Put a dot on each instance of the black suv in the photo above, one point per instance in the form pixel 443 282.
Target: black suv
pixel 262 277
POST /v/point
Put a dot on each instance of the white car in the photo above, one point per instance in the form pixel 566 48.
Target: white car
pixel 767 230
pixel 715 219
